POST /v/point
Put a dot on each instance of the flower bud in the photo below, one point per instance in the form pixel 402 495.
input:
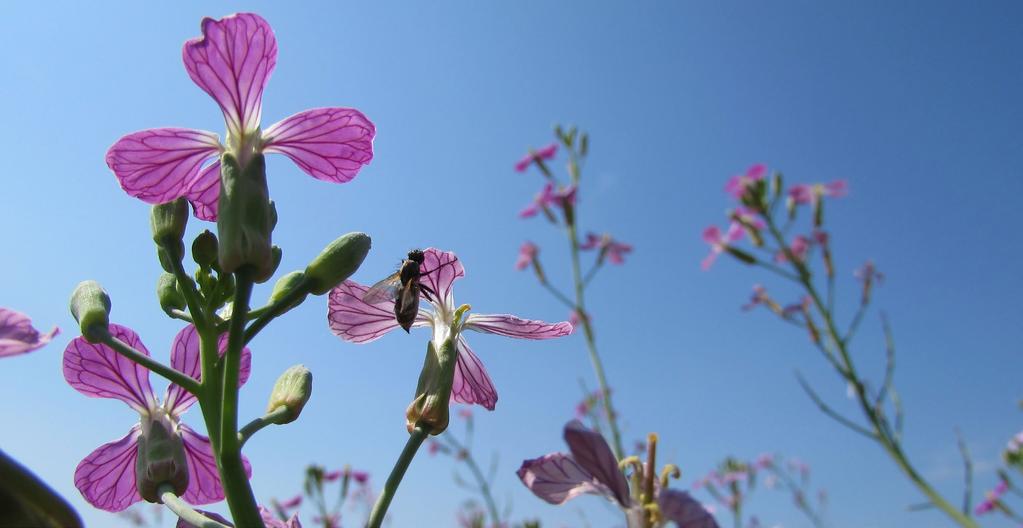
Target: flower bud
pixel 743 256
pixel 166 261
pixel 292 390
pixel 205 248
pixel 337 262
pixel 288 284
pixel 168 221
pixel 276 254
pixel 90 306
pixel 161 459
pixel 429 409
pixel 244 219
pixel 168 293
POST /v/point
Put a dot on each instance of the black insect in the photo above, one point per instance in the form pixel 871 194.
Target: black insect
pixel 402 287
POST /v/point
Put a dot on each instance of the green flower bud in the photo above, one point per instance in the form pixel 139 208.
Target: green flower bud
pixel 276 253
pixel 161 459
pixel 168 221
pixel 244 219
pixel 430 406
pixel 287 284
pixel 291 391
pixel 90 306
pixel 166 261
pixel 205 248
pixel 168 293
pixel 337 262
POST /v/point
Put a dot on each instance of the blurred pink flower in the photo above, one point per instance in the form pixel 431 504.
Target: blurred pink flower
pixel 738 184
pixel 18 336
pixel 545 153
pixel 718 243
pixel 527 252
pixel 612 249
pixel 293 502
pixel 810 193
pixel 800 247
pixel 549 197
pixel 992 498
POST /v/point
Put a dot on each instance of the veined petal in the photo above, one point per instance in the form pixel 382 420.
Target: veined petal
pixel 472 383
pixel 96 371
pixel 185 358
pixel 556 478
pixel 511 326
pixel 213 516
pixel 352 319
pixel 158 165
pixel 18 336
pixel 204 192
pixel 203 480
pixel 106 477
pixel 590 450
pixel 232 62
pixel 684 510
pixel 439 271
pixel 329 144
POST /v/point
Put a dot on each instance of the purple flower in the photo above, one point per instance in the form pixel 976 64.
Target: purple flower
pixel 291 503
pixel 591 468
pixel 549 197
pixel 612 249
pixel 527 252
pixel 800 247
pixel 17 336
pixel 106 477
pixel 352 319
pixel 718 243
pixel 269 520
pixel 812 193
pixel 546 153
pixel 232 62
pixel 992 498
pixel 738 184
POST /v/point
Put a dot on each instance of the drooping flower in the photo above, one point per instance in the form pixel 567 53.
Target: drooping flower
pixel 718 243
pixel 738 184
pixel 545 153
pixel 232 62
pixel 18 336
pixel 610 248
pixel 527 252
pixel 549 197
pixel 590 467
pixel 356 321
pixel 107 477
pixel 804 193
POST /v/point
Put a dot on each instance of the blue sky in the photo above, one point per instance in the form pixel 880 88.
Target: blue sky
pixel 916 104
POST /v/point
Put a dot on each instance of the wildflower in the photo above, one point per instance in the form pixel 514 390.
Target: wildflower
pixel 718 243
pixel 17 336
pixel 992 498
pixel 761 297
pixel 107 476
pixel 591 468
pixel 527 253
pixel 353 320
pixel 546 153
pixel 232 62
pixel 812 193
pixel 799 248
pixel 738 184
pixel 291 503
pixel 868 275
pixel 610 248
pixel 548 197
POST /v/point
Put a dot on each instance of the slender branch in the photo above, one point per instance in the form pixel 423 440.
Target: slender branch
pixel 174 376
pixel 592 273
pixel 184 511
pixel 192 298
pixel 416 438
pixel 180 314
pixel 557 294
pixel 831 412
pixel 889 369
pixel 777 270
pixel 967 474
pixel 253 427
pixel 855 324
pixel 274 310
pixel 481 481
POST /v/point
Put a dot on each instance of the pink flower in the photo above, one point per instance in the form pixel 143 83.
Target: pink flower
pixel 546 153
pixel 291 503
pixel 353 320
pixel 763 461
pixel 232 62
pixel 106 477
pixel 800 247
pixel 527 252
pixel 549 197
pixel 331 476
pixel 749 217
pixel 433 447
pixel 17 336
pixel 738 184
pixel 759 297
pixel 712 236
pixel 612 249
pixel 811 193
pixel 992 498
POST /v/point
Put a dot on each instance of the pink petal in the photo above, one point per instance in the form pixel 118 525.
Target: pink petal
pixel 756 171
pixel 590 450
pixel 801 193
pixel 17 336
pixel 352 319
pixel 472 383
pixel 735 232
pixel 708 261
pixel 684 510
pixel 712 235
pixel 511 326
pixel 557 478
pixel 836 189
pixel 592 241
pixel 213 516
pixel 160 164
pixel 106 477
pixel 185 358
pixel 548 152
pixel 203 479
pixel 524 163
pixel 204 192
pixel 232 62
pixel 439 271
pixel 529 211
pixel 329 144
pixel 96 371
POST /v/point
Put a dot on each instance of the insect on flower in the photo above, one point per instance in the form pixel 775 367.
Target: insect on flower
pixel 403 287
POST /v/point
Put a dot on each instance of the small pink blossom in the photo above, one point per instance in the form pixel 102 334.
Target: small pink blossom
pixel 545 153
pixel 748 217
pixel 291 503
pixel 433 447
pixel 718 243
pixel 465 413
pixel 331 476
pixel 992 498
pixel 800 247
pixel 811 193
pixel 759 297
pixel 610 248
pixel 738 184
pixel 548 197
pixel 527 252
pixel 18 336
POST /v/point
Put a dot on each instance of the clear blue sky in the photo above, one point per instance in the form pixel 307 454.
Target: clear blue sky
pixel 916 104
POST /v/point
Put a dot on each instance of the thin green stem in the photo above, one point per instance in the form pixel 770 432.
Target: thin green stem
pixel 174 376
pixel 180 314
pixel 558 295
pixel 256 425
pixel 481 481
pixel 416 438
pixel 192 298
pixel 184 511
pixel 272 311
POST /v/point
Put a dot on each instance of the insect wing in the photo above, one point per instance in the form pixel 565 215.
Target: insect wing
pixel 383 291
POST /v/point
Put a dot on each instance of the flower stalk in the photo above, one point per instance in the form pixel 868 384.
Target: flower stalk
pixel 415 440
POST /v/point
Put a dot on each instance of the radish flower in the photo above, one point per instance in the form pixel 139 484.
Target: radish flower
pixel 232 61
pixel 718 243
pixel 18 336
pixel 546 153
pixel 737 185
pixel 356 321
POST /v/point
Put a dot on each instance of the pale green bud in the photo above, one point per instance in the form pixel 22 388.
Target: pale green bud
pixel 337 262
pixel 90 306
pixel 291 391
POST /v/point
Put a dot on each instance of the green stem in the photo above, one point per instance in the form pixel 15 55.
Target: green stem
pixel 254 426
pixel 184 511
pixel 416 438
pixel 272 311
pixel 192 298
pixel 481 481
pixel 174 376
pixel 881 430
